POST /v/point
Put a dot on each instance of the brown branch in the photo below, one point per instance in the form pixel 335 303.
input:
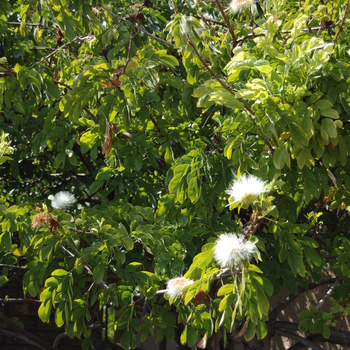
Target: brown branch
pixel 227 23
pixel 207 67
pixel 341 23
pixel 298 338
pixel 25 334
pixel 274 313
pixel 94 118
pixel 327 295
pixel 20 337
pixel 129 49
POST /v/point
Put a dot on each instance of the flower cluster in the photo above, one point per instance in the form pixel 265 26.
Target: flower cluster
pixel 176 285
pixel 245 190
pixel 231 249
pixel 241 5
pixel 63 200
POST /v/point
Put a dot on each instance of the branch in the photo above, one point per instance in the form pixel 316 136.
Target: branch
pixel 274 313
pixel 129 49
pixel 327 295
pixel 40 343
pixel 13 266
pixel 298 338
pixel 61 336
pixel 20 337
pixel 341 24
pixel 58 49
pixel 234 40
pixel 80 232
pixel 86 265
pixel 19 301
pixel 30 25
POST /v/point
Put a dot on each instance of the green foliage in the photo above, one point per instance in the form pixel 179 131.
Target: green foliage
pixel 181 109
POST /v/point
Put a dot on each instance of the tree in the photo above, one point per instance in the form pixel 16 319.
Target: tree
pixel 196 157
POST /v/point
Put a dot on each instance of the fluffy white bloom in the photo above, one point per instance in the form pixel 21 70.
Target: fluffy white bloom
pixel 241 5
pixel 230 249
pixel 176 285
pixel 62 200
pixel 246 190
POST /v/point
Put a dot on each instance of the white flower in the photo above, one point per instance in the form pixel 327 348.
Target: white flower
pixel 176 285
pixel 241 5
pixel 246 190
pixel 62 200
pixel 230 249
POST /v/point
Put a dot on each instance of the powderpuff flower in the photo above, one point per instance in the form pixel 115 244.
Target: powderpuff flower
pixel 63 200
pixel 245 190
pixel 230 249
pixel 241 5
pixel 176 285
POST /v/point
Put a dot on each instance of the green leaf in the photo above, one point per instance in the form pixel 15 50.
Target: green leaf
pixel 226 289
pixel 125 339
pixel 59 273
pixel 345 101
pixel 99 272
pixel 250 333
pixel 280 156
pixel 261 330
pixel 296 263
pixel 263 302
pixel 328 129
pixel 323 104
pixel 192 336
pixel 330 113
pixel 298 135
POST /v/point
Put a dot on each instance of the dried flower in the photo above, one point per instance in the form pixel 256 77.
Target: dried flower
pixel 245 190
pixel 241 5
pixel 62 200
pixel 40 219
pixel 230 249
pixel 176 285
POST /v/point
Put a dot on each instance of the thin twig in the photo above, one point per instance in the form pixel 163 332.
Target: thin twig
pixel 227 23
pixel 86 265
